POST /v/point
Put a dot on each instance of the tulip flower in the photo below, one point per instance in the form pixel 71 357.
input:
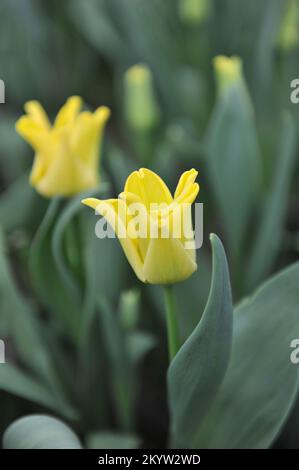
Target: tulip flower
pixel 67 152
pixel 156 255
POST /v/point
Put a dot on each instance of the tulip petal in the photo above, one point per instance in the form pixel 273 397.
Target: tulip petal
pixel 167 261
pixel 68 112
pixel 35 110
pixel 116 214
pixel 101 115
pixel 87 135
pixel 187 190
pixel 38 170
pixel 64 175
pixel 32 132
pixel 149 187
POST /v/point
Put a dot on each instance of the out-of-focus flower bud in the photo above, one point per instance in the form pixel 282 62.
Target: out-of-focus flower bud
pixel 228 71
pixel 141 107
pixel 288 38
pixel 194 12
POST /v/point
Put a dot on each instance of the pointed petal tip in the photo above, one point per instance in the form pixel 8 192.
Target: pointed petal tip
pixel 91 202
pixel 102 114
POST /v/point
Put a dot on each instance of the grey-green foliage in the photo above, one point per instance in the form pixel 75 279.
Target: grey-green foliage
pixel 40 432
pixel 199 366
pixel 272 217
pixel 234 164
pixel 261 382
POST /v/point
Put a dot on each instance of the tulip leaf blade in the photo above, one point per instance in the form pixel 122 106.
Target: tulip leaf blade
pixel 261 382
pixel 199 366
pixel 234 165
pixel 40 432
pixel 270 229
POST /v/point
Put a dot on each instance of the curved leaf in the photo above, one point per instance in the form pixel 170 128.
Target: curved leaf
pixel 261 383
pixel 40 432
pixel 198 368
pixel 270 229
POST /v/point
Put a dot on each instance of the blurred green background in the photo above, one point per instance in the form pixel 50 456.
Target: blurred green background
pixel 243 144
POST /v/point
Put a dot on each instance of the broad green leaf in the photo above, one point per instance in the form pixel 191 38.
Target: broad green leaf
pixel 261 383
pixel 234 164
pixel 110 440
pixel 271 224
pixel 197 370
pixel 40 432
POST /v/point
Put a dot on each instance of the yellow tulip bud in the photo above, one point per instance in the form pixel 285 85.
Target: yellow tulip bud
pixel 159 241
pixel 288 38
pixel 228 71
pixel 67 152
pixel 194 12
pixel 141 107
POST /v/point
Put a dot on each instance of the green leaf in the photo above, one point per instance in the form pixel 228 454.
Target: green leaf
pixel 270 227
pixel 40 432
pixel 24 329
pixel 63 222
pixel 261 383
pixel 197 370
pixel 234 164
pixel 109 440
pixel 21 319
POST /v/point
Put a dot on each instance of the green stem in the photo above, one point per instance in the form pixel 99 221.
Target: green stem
pixel 172 325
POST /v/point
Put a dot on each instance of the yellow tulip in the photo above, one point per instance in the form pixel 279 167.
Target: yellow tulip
pixel 67 152
pixel 228 71
pixel 156 259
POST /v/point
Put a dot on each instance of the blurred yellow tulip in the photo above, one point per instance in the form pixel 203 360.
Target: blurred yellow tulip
pixel 228 71
pixel 157 256
pixel 67 153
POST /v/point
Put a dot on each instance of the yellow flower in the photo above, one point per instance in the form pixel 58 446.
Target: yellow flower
pixel 67 153
pixel 228 71
pixel 157 256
